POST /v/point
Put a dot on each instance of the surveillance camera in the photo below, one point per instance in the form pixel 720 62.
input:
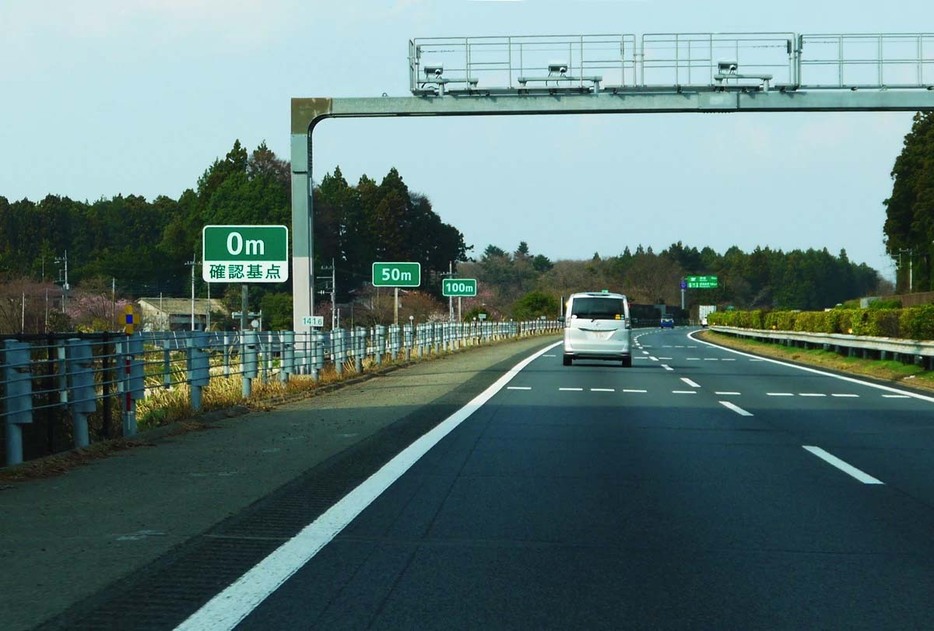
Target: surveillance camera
pixel 727 66
pixel 435 69
pixel 558 67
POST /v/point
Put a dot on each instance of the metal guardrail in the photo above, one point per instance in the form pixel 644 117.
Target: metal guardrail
pixel 909 351
pixel 75 386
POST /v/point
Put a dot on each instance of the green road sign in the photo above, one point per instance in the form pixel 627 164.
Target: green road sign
pixel 456 287
pixel 397 274
pixel 701 282
pixel 245 254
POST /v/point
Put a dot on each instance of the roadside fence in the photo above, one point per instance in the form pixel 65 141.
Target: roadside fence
pixel 64 391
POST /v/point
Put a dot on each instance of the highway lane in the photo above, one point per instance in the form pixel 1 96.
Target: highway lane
pixel 700 488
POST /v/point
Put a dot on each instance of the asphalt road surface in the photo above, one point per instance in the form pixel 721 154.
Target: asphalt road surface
pixel 701 488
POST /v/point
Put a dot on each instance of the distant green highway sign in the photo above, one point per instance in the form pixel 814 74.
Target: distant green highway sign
pixel 397 274
pixel 701 282
pixel 457 287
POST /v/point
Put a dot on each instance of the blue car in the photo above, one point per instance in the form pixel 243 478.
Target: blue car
pixel 667 322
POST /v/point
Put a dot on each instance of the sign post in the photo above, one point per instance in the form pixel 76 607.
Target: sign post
pixel 397 274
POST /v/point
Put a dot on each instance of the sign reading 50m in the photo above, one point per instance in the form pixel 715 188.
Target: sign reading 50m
pixel 245 254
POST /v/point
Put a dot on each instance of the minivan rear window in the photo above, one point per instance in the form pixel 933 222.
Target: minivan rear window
pixel 598 308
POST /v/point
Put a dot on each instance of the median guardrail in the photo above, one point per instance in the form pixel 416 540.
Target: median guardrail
pixel 59 392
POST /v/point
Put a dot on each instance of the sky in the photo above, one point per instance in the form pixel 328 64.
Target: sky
pixel 119 97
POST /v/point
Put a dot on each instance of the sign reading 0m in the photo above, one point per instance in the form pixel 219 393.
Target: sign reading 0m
pixel 245 254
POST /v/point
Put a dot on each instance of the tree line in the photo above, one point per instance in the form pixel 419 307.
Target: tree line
pixel 909 223
pixel 128 247
pixel 761 279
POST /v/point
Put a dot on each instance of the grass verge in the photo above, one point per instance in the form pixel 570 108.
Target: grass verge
pixel 892 371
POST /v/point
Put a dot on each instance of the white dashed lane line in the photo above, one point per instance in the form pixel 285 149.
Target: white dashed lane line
pixel 690 383
pixel 571 389
pixel 603 389
pixel 735 408
pixel 727 394
pixel 632 391
pixel 667 367
pixel 847 468
pixel 779 394
pixel 518 387
pixel 811 394
pixel 684 392
pixel 845 396
pixel 895 396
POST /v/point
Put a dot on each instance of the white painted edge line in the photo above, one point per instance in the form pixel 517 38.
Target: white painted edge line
pixel 570 389
pixel 735 408
pixel 727 394
pixel 603 389
pixel 815 371
pixel 518 387
pixel 228 608
pixel 849 469
pixel 690 383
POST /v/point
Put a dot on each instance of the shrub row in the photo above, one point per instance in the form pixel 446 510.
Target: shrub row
pixel 913 323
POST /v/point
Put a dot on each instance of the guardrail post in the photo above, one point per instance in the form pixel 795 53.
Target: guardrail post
pixel 359 348
pixel 199 373
pixel 248 361
pixel 80 373
pixel 287 359
pixel 227 343
pixel 318 342
pixel 379 343
pixel 338 349
pixel 18 379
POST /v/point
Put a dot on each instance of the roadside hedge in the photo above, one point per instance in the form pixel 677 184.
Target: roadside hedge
pixel 912 323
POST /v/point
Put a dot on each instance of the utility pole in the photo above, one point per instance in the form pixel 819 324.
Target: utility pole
pixel 193 262
pixel 65 284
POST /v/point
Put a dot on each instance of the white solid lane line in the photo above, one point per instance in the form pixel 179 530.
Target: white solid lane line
pixel 912 395
pixel 690 383
pixel 849 469
pixel 735 408
pixel 228 608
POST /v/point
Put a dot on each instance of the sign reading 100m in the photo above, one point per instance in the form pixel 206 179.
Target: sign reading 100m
pixel 245 254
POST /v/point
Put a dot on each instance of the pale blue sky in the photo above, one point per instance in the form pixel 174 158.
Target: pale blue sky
pixel 107 97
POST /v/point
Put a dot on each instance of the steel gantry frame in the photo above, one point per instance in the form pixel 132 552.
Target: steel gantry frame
pixel 622 74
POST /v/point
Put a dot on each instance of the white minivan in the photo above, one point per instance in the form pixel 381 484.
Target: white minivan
pixel 597 326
